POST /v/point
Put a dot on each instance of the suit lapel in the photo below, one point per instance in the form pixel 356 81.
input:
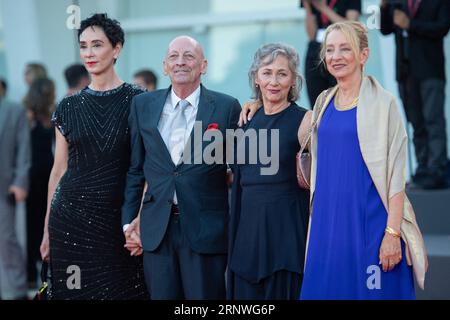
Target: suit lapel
pixel 158 104
pixel 206 108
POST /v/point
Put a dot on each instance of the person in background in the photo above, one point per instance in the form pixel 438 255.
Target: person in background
pixel 39 103
pixel 146 79
pixel 14 166
pixel 77 78
pixel 420 28
pixel 319 15
pixel 34 71
pixel 3 88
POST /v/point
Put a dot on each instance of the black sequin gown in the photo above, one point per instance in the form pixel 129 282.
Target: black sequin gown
pixel 85 220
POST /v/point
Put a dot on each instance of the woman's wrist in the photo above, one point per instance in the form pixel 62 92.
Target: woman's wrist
pixel 393 232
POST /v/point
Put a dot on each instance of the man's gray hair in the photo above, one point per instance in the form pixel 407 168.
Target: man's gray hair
pixel 266 55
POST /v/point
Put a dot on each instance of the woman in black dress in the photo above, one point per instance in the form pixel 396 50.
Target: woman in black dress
pixel 40 103
pixel 83 236
pixel 269 217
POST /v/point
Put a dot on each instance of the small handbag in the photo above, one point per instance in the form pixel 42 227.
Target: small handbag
pixel 303 159
pixel 43 293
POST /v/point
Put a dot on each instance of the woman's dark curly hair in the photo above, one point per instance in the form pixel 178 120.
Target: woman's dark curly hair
pixel 111 28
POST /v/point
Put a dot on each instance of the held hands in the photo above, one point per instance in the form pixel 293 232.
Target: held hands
pixel 390 252
pixel 252 107
pixel 401 20
pixel 133 238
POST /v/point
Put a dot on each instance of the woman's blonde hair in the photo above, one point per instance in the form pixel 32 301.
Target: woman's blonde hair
pixel 354 31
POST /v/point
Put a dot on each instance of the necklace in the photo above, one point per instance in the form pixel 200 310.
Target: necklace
pixel 349 106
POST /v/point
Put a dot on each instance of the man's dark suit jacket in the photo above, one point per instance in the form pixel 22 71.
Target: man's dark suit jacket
pixel 201 189
pixel 421 55
pixel 15 149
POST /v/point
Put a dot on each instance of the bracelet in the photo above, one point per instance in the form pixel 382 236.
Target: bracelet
pixel 392 232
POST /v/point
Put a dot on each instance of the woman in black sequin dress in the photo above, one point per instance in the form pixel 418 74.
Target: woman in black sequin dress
pixel 83 237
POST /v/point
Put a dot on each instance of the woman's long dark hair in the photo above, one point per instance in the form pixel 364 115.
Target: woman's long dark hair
pixel 40 99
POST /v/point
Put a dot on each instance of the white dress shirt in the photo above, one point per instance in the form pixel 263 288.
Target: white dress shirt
pixel 168 114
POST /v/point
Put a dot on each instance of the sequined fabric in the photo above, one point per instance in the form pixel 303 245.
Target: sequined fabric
pixel 85 220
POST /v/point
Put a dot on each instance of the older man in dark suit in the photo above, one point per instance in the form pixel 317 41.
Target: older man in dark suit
pixel 184 215
pixel 14 165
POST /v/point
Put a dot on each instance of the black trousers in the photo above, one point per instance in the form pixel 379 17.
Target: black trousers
pixel 175 272
pixel 281 285
pixel 317 76
pixel 423 101
pixel 36 207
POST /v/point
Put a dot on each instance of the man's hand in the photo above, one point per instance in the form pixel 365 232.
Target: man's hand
pixel 133 238
pixel 319 4
pixel 252 107
pixel 307 5
pixel 401 20
pixel 19 193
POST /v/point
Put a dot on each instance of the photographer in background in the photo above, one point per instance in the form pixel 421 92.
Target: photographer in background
pixel 319 15
pixel 419 28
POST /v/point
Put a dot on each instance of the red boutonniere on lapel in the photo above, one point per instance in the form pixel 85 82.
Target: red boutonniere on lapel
pixel 213 126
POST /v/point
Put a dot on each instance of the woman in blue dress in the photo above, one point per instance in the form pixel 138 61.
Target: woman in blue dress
pixel 355 247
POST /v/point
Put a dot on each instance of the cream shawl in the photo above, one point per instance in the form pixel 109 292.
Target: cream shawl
pixel 383 142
